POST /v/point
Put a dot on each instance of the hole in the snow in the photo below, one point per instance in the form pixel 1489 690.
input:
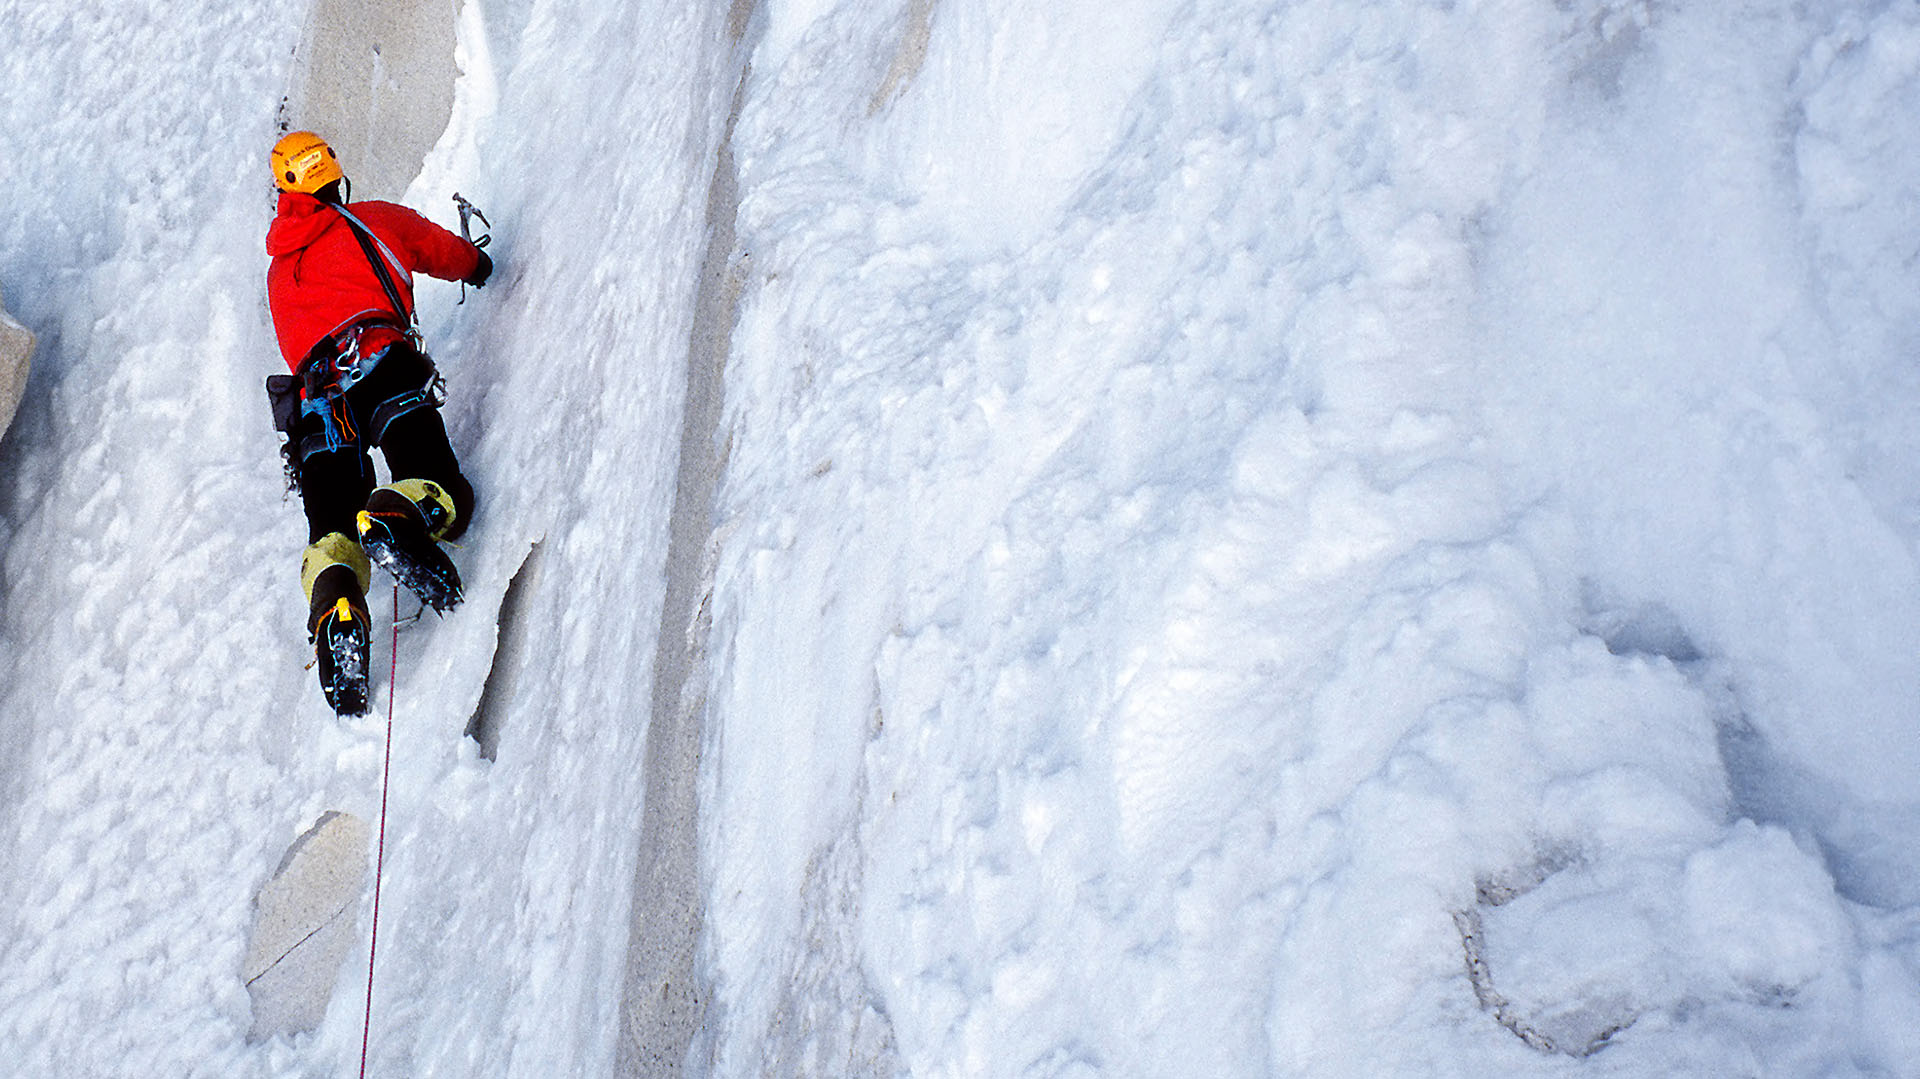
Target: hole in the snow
pixel 1648 629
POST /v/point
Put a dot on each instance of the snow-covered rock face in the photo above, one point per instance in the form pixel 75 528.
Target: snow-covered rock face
pixel 304 922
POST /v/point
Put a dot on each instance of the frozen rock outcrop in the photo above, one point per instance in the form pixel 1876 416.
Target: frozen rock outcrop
pixel 16 354
pixel 304 923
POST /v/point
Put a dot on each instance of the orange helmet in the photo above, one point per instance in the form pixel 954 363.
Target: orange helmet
pixel 302 161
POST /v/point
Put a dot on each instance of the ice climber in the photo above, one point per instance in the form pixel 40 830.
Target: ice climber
pixel 340 289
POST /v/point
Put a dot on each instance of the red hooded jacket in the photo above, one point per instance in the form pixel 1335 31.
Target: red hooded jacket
pixel 321 280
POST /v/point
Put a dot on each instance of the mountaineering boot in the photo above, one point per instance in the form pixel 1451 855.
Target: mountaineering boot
pixel 335 574
pixel 400 529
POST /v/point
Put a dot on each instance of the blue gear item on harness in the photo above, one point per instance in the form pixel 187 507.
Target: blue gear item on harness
pixel 329 403
pixel 337 363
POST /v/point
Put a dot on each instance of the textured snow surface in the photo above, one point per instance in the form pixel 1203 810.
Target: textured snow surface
pixel 1255 539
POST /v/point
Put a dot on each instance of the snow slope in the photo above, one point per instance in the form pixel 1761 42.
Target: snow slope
pixel 1215 515
pixel 1255 539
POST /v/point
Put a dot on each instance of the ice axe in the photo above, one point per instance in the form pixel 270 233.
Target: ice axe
pixel 468 211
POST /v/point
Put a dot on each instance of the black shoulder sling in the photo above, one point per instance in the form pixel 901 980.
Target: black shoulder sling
pixel 365 235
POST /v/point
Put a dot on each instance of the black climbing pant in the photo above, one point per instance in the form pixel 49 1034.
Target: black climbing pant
pixel 388 409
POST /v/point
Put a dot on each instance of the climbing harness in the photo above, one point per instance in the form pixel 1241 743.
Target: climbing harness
pixel 338 364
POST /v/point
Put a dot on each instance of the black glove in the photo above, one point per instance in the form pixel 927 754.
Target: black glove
pixel 481 270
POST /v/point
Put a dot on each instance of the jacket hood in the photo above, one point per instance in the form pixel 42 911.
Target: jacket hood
pixel 300 221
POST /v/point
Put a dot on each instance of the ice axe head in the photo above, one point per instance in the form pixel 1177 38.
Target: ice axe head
pixel 468 211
